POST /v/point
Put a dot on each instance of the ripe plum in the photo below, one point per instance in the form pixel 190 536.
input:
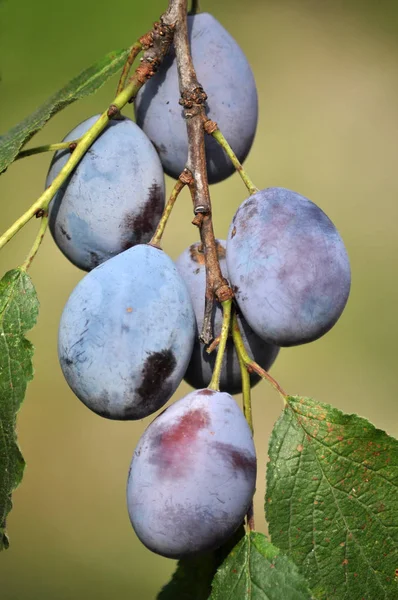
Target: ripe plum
pixel 228 81
pixel 192 476
pixel 126 334
pixel 288 267
pixel 113 199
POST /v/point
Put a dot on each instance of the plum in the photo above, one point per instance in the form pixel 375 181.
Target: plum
pixel 192 476
pixel 191 267
pixel 113 199
pixel 126 334
pixel 226 76
pixel 288 267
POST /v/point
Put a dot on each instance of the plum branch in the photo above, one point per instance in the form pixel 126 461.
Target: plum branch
pixel 193 98
pixel 161 37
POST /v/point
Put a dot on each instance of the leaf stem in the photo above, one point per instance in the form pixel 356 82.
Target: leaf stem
pixel 36 244
pixel 157 236
pixel 212 128
pixel 162 35
pixel 134 51
pixel 215 379
pixel 47 148
pixel 250 364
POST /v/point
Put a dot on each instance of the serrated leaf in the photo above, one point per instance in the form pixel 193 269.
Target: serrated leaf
pixel 193 577
pixel 255 570
pixel 18 313
pixel 88 82
pixel 332 500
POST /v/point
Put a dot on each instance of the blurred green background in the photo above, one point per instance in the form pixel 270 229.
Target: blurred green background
pixel 328 87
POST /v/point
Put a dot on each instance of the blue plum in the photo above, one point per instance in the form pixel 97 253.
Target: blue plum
pixel 288 267
pixel 191 267
pixel 193 476
pixel 126 334
pixel 113 199
pixel 228 81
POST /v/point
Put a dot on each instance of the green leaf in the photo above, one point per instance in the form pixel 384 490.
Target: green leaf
pixel 255 570
pixel 332 501
pixel 193 577
pixel 18 313
pixel 88 82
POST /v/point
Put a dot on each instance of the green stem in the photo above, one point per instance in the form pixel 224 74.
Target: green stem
pixel 247 411
pixel 46 148
pixel 250 364
pixel 36 244
pixel 134 51
pixel 218 136
pixel 246 391
pixel 85 142
pixel 195 7
pixel 215 380
pixel 157 236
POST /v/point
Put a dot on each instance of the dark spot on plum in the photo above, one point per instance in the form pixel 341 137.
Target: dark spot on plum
pixel 233 232
pixel 206 392
pixel 67 361
pixel 197 271
pixel 64 232
pixel 235 289
pixel 154 390
pixel 239 460
pixel 161 148
pixel 94 259
pixel 196 253
pixel 139 227
pixel 125 328
pixel 172 447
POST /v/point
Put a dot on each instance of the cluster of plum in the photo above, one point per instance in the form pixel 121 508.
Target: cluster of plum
pixel 129 332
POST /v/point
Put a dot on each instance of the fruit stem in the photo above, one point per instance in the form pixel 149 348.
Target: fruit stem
pixel 162 36
pixel 134 51
pixel 250 364
pixel 47 148
pixel 195 7
pixel 36 244
pixel 247 411
pixel 226 321
pixel 218 136
pixel 157 236
pixel 246 391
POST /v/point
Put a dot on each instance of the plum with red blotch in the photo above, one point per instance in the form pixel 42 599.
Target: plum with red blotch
pixel 192 476
pixel 191 267
pixel 126 334
pixel 113 199
pixel 225 74
pixel 288 267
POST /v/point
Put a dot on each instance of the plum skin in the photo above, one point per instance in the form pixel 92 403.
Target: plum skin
pixel 225 74
pixel 192 477
pixel 113 199
pixel 190 265
pixel 288 267
pixel 126 334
